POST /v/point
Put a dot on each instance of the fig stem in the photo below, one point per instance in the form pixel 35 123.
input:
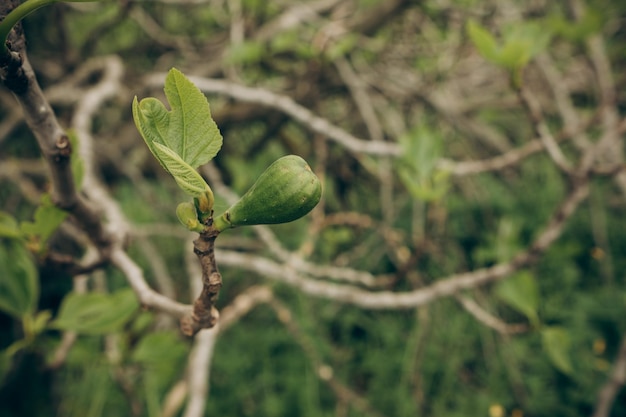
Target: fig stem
pixel 204 314
pixel 221 222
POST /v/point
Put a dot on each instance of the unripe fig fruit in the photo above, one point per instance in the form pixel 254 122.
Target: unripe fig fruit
pixel 285 191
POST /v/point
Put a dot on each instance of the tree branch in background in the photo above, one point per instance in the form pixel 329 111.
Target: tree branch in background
pixel 346 396
pixel 488 319
pixel 19 77
pixel 412 299
pixel 290 107
pixel 541 129
pixel 611 388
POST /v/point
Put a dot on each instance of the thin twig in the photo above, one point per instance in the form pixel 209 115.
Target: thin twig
pixel 364 104
pixel 147 296
pixel 562 97
pixel 488 319
pixel 616 381
pixel 324 371
pixel 200 361
pixel 69 337
pixel 531 104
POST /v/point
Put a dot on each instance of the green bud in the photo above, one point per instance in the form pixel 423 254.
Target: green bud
pixel 204 204
pixel 188 216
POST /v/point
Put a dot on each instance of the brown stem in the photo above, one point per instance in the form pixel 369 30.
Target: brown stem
pixel 204 314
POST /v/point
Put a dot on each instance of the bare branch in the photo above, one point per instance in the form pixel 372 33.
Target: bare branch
pixel 243 304
pixel 288 106
pixel 505 160
pixel 488 319
pixel 364 104
pixel 147 296
pixel 199 372
pixel 442 288
pixel 561 93
pixel 541 129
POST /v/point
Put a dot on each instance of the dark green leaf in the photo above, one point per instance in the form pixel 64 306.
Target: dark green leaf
pixel 162 355
pixel 48 218
pixel 521 293
pixel 19 284
pixel 246 53
pixel 8 226
pixel 159 348
pixel 483 40
pixel 96 313
pixel 5 365
pixel 556 343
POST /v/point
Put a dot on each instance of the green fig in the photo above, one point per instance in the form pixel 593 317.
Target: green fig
pixel 285 191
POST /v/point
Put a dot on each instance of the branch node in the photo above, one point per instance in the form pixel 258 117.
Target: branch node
pixel 13 74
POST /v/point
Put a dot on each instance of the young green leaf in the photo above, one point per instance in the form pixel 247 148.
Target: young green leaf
pixel 591 22
pixel 8 226
pixel 19 283
pixel 96 313
pixel 521 293
pixel 187 129
pixel 152 121
pixel 47 219
pixel 161 355
pixel 247 52
pixel 186 177
pixel 483 40
pixel 556 343
pixel 417 169
pixel 190 121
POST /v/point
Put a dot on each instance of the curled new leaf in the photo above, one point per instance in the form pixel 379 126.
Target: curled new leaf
pixel 151 119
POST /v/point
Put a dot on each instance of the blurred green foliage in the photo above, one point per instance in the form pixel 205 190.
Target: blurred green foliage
pixel 433 361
